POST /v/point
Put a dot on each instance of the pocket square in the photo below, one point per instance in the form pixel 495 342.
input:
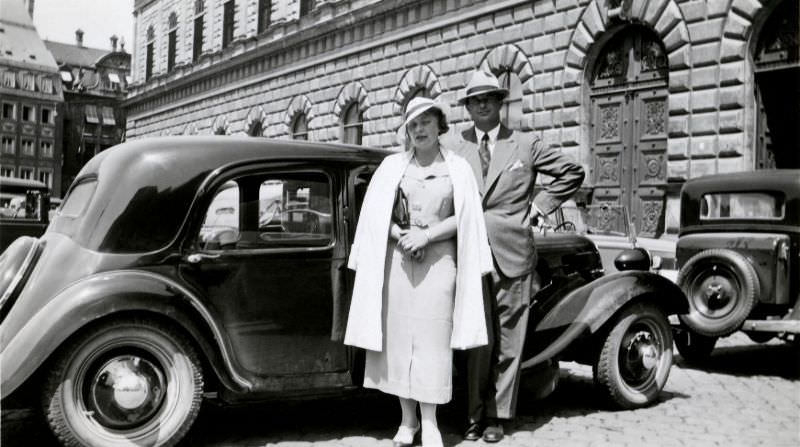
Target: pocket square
pixel 516 165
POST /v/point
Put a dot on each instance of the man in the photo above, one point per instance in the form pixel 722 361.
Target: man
pixel 505 163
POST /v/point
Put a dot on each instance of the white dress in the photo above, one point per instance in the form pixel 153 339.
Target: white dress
pixel 418 297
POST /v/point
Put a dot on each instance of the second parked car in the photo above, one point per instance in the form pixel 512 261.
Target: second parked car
pixel 739 258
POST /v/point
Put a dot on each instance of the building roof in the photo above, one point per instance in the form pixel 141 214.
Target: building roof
pixel 20 44
pixel 74 55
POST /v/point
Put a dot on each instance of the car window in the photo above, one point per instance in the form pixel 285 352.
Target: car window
pixel 78 198
pixel 280 210
pixel 742 205
pixel 222 217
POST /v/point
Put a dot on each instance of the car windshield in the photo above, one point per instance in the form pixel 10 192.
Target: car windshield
pixel 742 205
pixel 78 198
pixel 603 219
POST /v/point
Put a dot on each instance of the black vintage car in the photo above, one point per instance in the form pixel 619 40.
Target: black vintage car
pixel 24 209
pixel 189 266
pixel 739 257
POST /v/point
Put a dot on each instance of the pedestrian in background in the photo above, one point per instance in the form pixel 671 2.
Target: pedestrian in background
pixel 505 164
pixel 417 291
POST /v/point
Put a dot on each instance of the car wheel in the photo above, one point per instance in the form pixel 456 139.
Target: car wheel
pixel 124 383
pixel 636 356
pixel 694 347
pixel 721 287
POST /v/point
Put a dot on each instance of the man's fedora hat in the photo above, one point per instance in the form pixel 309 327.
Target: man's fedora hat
pixel 482 83
pixel 416 107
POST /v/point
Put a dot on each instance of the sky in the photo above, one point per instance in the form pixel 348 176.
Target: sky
pixel 57 20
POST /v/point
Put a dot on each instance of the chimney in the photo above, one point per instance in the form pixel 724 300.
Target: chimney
pixel 30 8
pixel 122 44
pixel 79 37
pixel 114 42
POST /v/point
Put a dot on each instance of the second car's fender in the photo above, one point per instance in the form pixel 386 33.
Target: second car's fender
pixel 586 309
pixel 103 295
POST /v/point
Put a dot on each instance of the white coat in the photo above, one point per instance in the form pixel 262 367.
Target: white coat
pixel 367 256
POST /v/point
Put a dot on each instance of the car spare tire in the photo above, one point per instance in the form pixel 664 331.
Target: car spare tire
pixel 721 286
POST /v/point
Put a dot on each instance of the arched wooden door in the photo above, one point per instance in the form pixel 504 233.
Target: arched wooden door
pixel 777 89
pixel 629 127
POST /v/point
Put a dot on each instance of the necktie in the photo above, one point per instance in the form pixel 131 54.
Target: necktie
pixel 486 156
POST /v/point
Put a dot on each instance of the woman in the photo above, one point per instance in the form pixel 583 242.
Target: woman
pixel 427 299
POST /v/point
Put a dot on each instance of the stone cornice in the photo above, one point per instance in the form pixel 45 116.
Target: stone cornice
pixel 251 61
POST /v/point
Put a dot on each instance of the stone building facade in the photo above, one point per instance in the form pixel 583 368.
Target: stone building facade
pixel 30 97
pixel 645 93
pixel 94 82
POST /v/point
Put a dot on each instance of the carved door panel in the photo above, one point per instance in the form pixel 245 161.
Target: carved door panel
pixel 649 161
pixel 611 153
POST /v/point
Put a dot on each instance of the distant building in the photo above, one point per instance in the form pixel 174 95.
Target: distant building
pixel 30 98
pixel 94 82
pixel 645 93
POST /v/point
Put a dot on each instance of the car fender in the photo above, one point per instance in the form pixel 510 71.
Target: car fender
pixel 103 295
pixel 586 309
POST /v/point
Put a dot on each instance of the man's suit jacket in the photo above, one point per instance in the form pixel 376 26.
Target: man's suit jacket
pixel 508 188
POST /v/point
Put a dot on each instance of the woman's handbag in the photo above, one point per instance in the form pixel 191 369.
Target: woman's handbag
pixel 400 209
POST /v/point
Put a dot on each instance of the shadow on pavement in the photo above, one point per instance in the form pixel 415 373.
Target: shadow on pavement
pixel 774 359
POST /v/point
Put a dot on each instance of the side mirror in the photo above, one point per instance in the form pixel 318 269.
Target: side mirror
pixel 632 259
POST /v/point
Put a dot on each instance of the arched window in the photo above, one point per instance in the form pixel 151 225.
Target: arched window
pixel 417 92
pixel 256 129
pixel 300 127
pixel 352 126
pixel 511 113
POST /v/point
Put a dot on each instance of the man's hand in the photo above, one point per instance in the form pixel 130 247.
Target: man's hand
pixel 539 220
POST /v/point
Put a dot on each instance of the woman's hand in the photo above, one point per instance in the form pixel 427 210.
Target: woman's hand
pixel 413 240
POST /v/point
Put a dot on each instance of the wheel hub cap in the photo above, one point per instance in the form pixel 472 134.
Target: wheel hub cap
pixel 126 391
pixel 715 293
pixel 640 356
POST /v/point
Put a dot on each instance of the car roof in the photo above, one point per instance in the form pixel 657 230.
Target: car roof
pixel 145 187
pixel 785 180
pixel 213 151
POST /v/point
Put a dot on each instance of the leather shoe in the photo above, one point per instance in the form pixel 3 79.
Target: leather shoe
pixel 405 436
pixel 493 431
pixel 474 432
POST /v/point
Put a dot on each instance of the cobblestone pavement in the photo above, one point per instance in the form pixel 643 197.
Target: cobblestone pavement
pixel 748 395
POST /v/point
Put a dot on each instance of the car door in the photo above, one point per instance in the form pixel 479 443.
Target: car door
pixel 264 259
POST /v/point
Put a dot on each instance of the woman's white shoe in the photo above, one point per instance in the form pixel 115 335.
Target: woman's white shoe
pixel 405 436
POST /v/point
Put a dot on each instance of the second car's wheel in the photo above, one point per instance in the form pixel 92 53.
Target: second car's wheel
pixel 128 382
pixel 722 288
pixel 636 356
pixel 693 347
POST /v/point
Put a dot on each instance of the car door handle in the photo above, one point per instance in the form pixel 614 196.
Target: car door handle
pixel 195 258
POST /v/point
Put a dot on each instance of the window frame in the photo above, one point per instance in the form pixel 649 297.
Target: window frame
pixel 51 115
pixel 300 117
pixel 13 139
pixel 228 22
pixel 28 170
pixel 32 145
pixel 268 174
pixel 31 116
pixel 348 126
pixel 48 154
pixel 264 20
pixel 13 105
